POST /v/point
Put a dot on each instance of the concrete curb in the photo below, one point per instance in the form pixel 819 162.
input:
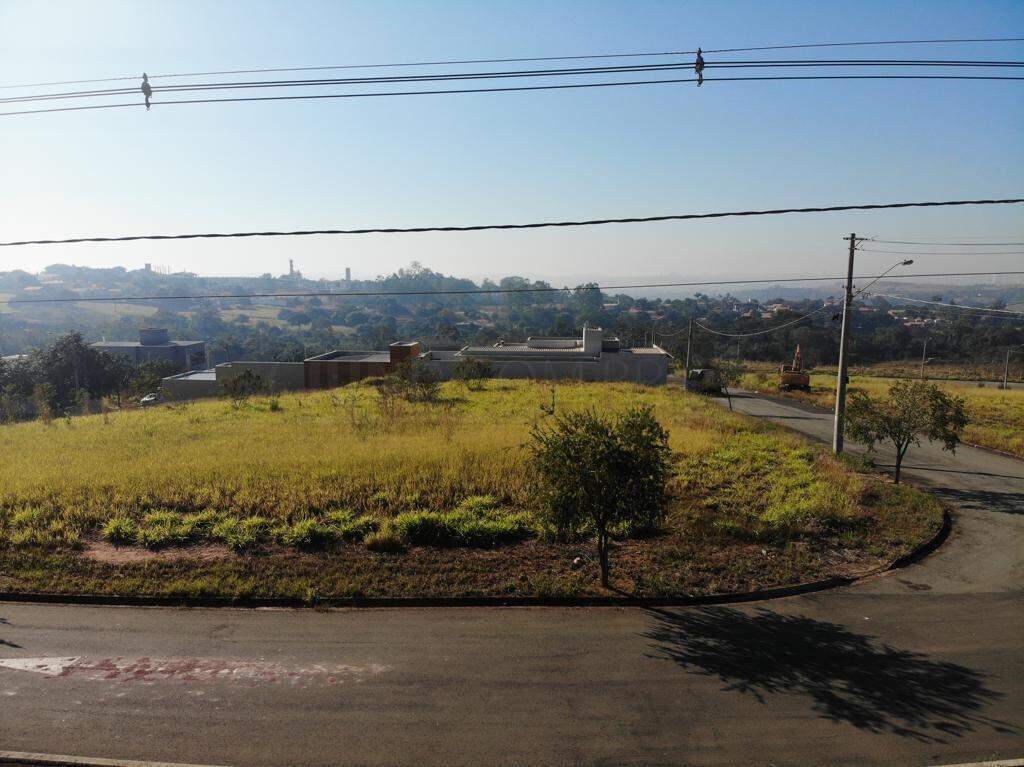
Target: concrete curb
pixel 60 760
pixel 776 592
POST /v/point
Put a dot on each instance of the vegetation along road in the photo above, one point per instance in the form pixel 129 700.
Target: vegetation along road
pixel 917 667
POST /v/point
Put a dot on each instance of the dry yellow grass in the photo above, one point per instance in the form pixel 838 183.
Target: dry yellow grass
pixel 997 415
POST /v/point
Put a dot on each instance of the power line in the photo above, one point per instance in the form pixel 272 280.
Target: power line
pixel 945 253
pixel 518 89
pixel 951 306
pixel 949 244
pixel 515 74
pixel 819 310
pixel 478 291
pixel 651 54
pixel 538 225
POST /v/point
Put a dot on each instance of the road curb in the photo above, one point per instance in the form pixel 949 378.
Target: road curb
pixel 61 760
pixel 777 592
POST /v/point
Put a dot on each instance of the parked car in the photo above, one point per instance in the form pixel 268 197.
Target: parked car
pixel 150 399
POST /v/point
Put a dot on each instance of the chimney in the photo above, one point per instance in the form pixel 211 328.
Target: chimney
pixel 403 351
pixel 348 274
pixel 592 338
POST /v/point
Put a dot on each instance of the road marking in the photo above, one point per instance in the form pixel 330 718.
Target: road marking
pixel 999 763
pixel 149 670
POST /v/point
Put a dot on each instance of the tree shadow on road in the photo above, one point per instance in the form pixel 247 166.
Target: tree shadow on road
pixel 4 642
pixel 849 677
pixel 1007 503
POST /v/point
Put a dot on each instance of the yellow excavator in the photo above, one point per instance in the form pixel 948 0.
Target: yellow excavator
pixel 794 376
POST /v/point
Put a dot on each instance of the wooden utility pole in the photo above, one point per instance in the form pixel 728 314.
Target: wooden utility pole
pixel 689 338
pixel 844 347
pixel 924 351
pixel 1006 368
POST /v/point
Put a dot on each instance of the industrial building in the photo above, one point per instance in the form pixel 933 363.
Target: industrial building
pixel 155 344
pixel 590 358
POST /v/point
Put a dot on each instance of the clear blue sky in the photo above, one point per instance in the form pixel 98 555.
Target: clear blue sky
pixel 485 158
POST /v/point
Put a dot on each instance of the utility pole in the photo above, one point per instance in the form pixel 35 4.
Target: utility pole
pixel 844 347
pixel 1006 368
pixel 689 338
pixel 924 351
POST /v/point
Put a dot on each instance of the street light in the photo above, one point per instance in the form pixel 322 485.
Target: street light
pixel 840 413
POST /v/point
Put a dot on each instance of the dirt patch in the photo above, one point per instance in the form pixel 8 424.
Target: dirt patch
pixel 108 553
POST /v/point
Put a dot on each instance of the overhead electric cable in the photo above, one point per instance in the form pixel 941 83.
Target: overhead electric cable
pixel 475 291
pixel 515 74
pixel 651 54
pixel 945 253
pixel 518 89
pixel 537 225
pixel 949 244
pixel 951 306
pixel 819 310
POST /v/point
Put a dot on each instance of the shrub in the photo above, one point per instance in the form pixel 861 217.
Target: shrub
pixel 472 372
pixel 602 472
pixel 460 528
pixel 386 540
pixel 162 528
pixel 120 530
pixel 478 503
pixel 242 534
pixel 348 527
pixel 309 534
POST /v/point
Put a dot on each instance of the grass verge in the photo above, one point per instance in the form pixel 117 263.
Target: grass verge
pixel 341 494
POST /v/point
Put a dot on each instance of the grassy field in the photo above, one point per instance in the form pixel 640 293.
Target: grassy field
pixel 345 493
pixel 997 416
pixel 937 370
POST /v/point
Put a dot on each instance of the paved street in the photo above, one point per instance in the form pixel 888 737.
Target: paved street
pixel 922 666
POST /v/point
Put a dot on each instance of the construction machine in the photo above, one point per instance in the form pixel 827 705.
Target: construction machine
pixel 794 376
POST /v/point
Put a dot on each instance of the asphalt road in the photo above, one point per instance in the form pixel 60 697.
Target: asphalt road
pixel 922 666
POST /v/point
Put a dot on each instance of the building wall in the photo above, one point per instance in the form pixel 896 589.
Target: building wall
pixel 327 374
pixel 647 369
pixel 189 357
pixel 181 387
pixel 276 376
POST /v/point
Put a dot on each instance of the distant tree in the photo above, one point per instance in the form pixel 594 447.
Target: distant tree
pixel 604 474
pixel 472 372
pixel 912 409
pixel 148 376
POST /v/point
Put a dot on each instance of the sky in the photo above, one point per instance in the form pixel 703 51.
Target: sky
pixel 495 158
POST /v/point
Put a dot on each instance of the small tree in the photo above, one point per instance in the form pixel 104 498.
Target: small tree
pixel 730 373
pixel 913 408
pixel 416 381
pixel 472 371
pixel 606 474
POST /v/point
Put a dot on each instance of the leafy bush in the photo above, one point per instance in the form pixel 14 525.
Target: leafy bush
pixel 602 473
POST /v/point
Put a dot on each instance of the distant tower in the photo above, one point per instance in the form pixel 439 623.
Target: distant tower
pixel 348 274
pixel 149 267
pixel 291 268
